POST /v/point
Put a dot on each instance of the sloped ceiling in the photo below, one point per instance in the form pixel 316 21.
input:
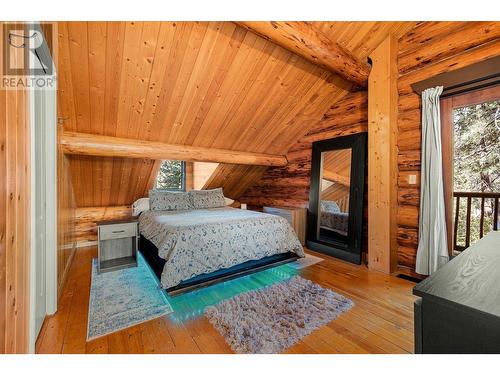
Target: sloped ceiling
pixel 338 161
pixel 211 84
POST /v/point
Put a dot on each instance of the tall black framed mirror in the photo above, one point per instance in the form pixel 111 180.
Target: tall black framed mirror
pixel 335 216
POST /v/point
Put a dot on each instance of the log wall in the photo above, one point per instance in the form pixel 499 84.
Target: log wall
pixel 86 218
pixel 289 185
pixel 429 49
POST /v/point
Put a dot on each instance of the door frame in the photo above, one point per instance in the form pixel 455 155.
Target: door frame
pixel 447 105
pixel 50 140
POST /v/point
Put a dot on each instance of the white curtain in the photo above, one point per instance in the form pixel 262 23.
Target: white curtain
pixel 432 250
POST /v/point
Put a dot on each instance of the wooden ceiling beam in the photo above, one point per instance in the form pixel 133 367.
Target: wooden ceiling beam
pixel 305 40
pixel 335 177
pixel 99 145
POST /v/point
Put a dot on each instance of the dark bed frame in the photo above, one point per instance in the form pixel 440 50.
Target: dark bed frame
pixel 150 253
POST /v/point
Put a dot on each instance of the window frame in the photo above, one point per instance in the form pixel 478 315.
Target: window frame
pixel 183 180
pixel 447 105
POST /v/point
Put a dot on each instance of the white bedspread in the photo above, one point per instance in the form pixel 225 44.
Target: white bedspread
pixel 194 242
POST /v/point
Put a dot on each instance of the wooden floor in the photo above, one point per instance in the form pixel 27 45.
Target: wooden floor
pixel 380 322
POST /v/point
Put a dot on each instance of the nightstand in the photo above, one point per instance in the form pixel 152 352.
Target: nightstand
pixel 117 244
pixel 295 216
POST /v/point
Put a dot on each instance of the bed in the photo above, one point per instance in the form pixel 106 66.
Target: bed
pixel 331 218
pixel 193 247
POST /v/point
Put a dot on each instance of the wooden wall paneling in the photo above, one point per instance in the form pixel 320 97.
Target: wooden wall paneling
pixel 312 106
pixel 224 108
pixel 363 37
pixel 234 179
pixel 115 39
pixel 442 44
pixel 15 221
pixel 310 43
pixel 201 173
pixel 66 206
pixel 289 186
pixel 97 36
pixel 189 173
pixel 155 168
pixel 217 47
pixel 135 187
pixel 3 216
pixel 86 218
pixel 78 54
pixel 235 37
pixel 181 62
pixel 262 96
pixel 136 59
pixel 141 177
pixel 190 83
pixel 382 157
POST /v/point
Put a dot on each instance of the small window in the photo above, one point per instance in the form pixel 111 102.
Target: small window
pixel 172 176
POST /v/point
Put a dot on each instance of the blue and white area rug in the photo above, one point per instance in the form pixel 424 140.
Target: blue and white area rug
pixel 123 298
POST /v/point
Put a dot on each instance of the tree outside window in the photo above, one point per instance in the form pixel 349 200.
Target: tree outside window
pixel 171 176
pixel 476 161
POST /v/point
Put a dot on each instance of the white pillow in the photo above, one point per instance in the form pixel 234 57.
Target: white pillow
pixel 228 201
pixel 140 205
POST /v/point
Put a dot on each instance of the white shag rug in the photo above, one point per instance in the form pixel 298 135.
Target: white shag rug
pixel 273 318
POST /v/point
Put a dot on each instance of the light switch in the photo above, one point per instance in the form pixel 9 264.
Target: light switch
pixel 412 179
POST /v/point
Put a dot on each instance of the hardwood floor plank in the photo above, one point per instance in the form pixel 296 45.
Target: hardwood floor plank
pixel 97 346
pixel 381 320
pixel 300 348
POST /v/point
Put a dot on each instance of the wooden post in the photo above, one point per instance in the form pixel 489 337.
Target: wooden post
pixel 382 157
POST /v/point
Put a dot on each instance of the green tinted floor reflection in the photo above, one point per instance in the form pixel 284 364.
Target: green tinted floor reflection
pixel 190 305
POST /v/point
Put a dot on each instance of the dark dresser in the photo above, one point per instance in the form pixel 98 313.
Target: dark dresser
pixel 459 306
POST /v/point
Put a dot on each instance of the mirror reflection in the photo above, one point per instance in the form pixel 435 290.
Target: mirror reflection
pixel 334 194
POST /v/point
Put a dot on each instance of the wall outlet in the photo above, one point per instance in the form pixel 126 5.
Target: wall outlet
pixel 412 179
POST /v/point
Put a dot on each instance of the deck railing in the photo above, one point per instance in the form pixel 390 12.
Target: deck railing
pixel 469 196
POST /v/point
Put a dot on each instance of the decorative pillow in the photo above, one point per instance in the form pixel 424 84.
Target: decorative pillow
pixel 207 198
pixel 140 205
pixel 330 206
pixel 169 200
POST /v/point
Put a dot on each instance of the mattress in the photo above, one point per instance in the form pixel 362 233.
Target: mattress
pixel 336 221
pixel 196 242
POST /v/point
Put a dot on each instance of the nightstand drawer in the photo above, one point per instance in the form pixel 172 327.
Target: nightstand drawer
pixel 109 232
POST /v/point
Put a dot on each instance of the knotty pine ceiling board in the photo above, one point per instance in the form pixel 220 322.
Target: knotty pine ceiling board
pixel 211 84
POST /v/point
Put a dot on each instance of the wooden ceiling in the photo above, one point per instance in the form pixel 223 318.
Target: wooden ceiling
pixel 338 162
pixel 210 84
